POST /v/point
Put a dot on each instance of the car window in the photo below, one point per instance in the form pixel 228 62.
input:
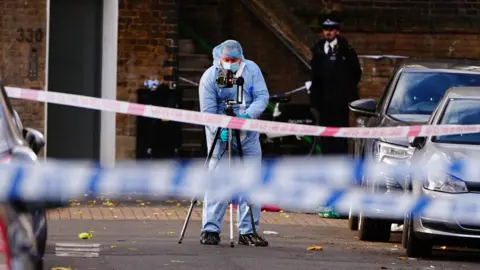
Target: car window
pixel 420 92
pixel 461 112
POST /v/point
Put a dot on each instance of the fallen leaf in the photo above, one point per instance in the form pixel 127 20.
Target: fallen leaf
pixel 315 248
pixel 61 268
pixel 275 219
pixel 132 249
pixel 178 204
pixel 85 236
pixel 78 213
pixel 171 232
pixel 169 214
pixel 403 258
pixel 142 204
pixel 114 246
pixel 175 261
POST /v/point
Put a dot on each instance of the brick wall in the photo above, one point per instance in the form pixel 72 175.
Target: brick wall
pixel 28 17
pixel 141 55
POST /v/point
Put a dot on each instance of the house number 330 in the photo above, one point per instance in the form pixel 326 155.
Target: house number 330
pixel 30 35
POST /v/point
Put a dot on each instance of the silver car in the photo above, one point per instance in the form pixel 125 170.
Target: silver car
pixel 23 225
pixel 459 106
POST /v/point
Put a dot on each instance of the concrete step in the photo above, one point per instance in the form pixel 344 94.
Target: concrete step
pixel 194 61
pixel 186 46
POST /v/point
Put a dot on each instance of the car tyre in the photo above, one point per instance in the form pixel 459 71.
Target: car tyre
pixel 352 220
pixel 373 230
pixel 416 247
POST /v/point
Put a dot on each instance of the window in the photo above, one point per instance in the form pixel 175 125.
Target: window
pixel 461 112
pixel 420 92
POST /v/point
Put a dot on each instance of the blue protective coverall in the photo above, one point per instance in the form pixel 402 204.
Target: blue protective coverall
pixel 212 99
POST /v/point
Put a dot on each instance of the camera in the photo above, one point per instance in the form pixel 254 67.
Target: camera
pixel 226 79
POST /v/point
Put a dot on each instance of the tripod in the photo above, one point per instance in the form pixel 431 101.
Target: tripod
pixel 229 112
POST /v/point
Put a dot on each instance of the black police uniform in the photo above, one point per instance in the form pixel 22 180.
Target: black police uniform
pixel 335 78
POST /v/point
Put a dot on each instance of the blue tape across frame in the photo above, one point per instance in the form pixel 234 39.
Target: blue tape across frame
pixel 359 170
pixel 267 168
pixel 179 176
pixel 420 205
pixel 95 178
pixel 334 197
pixel 14 192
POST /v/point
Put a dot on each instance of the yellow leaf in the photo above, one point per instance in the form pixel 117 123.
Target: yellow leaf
pixel 114 246
pixel 178 204
pixel 85 236
pixel 171 232
pixel 132 249
pixel 315 248
pixel 169 214
pixel 142 204
pixel 61 268
pixel 78 213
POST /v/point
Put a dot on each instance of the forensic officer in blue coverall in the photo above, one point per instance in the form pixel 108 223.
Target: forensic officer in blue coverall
pixel 229 55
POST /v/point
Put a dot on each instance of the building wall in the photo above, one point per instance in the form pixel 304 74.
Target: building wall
pixel 445 29
pixel 141 54
pixel 27 17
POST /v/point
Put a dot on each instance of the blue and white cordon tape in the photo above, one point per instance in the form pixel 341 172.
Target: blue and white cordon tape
pixel 293 184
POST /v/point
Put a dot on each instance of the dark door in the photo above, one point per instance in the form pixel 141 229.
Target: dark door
pixel 75 66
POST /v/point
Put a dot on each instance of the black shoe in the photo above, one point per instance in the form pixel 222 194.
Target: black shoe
pixel 210 238
pixel 253 240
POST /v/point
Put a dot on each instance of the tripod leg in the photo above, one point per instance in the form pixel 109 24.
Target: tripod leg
pixel 231 226
pixel 240 153
pixel 187 219
pixel 194 200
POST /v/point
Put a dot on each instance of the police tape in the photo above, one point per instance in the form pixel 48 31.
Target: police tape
pixel 293 184
pixel 207 119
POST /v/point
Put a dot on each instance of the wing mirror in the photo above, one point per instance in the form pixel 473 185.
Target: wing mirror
pixel 364 107
pixel 417 142
pixel 35 139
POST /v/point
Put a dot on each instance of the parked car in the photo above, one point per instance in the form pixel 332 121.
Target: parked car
pixel 23 225
pixel 410 97
pixel 460 106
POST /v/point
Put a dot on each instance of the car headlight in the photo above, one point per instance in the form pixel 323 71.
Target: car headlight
pixel 390 153
pixel 445 183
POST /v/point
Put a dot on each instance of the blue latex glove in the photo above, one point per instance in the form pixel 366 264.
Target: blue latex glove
pixel 224 135
pixel 244 115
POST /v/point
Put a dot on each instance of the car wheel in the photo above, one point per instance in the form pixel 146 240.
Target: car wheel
pixel 352 220
pixel 373 230
pixel 416 247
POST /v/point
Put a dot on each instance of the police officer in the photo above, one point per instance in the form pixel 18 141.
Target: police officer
pixel 335 76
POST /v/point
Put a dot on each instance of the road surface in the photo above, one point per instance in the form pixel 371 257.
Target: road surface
pixel 143 243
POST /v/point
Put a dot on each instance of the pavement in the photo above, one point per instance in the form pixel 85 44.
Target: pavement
pixel 144 235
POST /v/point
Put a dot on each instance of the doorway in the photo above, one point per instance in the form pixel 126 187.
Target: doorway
pixel 74 67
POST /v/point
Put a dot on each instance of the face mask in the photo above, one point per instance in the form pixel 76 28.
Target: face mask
pixel 231 66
